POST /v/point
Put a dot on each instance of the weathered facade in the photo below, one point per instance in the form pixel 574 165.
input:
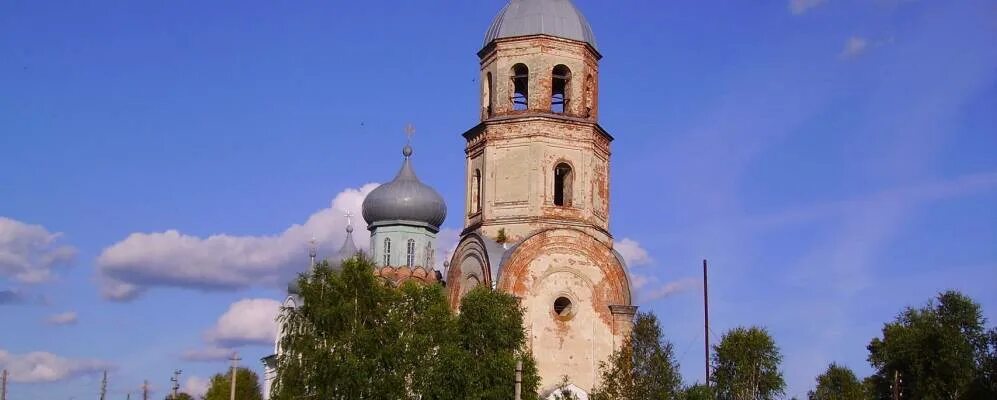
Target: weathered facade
pixel 537 199
pixel 536 221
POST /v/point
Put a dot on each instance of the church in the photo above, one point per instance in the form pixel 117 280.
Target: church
pixel 536 220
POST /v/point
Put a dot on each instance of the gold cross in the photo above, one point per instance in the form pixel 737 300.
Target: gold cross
pixel 409 131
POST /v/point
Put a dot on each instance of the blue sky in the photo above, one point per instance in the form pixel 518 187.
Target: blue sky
pixel 162 164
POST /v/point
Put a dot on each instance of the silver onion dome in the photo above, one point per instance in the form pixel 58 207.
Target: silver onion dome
pixel 558 18
pixel 405 201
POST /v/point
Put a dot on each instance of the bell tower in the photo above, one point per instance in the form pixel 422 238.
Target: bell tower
pixel 538 158
pixel 537 201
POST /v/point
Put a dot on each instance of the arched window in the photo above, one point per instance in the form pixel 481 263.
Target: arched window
pixel 560 78
pixel 410 253
pixel 520 87
pixel 429 256
pixel 486 95
pixel 476 192
pixel 387 251
pixel 562 184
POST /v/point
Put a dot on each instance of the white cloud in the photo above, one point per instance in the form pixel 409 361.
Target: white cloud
pixel 43 367
pixel 29 253
pixel 639 281
pixel 211 353
pixel 798 7
pixel 196 386
pixel 854 47
pixel 632 252
pixel 649 287
pixel 247 321
pixel 66 318
pixel 174 259
pixel 670 288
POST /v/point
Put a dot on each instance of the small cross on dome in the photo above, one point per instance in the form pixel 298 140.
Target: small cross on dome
pixel 409 131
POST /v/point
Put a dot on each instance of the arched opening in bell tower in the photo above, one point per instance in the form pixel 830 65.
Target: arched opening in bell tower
pixel 476 192
pixel 486 95
pixel 560 78
pixel 520 87
pixel 563 177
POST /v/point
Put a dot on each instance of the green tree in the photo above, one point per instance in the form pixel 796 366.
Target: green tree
pixel 346 340
pixel 837 383
pixel 938 351
pixel 247 386
pixel 644 367
pixel 180 396
pixel 698 392
pixel 356 337
pixel 985 385
pixel 746 366
pixel 492 337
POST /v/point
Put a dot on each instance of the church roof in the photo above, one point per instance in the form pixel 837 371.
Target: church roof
pixel 347 250
pixel 557 18
pixel 405 201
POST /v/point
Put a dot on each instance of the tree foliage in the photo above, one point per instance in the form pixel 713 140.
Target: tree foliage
pixel 746 366
pixel 247 386
pixel 939 351
pixel 698 392
pixel 180 396
pixel 357 337
pixel 644 367
pixel 985 384
pixel 837 383
pixel 492 338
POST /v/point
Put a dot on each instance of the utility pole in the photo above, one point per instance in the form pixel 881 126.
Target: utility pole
pixel 145 390
pixel 103 386
pixel 3 386
pixel 706 318
pixel 235 363
pixel 176 382
pixel 519 379
pixel 312 252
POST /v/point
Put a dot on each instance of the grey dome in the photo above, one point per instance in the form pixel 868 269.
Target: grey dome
pixel 405 200
pixel 557 18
